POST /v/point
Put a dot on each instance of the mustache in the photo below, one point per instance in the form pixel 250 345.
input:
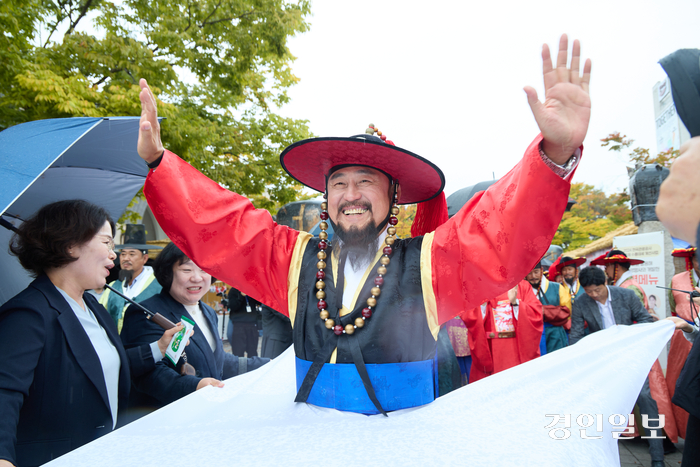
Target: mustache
pixel 364 204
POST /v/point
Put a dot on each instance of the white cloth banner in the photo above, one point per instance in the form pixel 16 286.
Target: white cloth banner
pixel 500 420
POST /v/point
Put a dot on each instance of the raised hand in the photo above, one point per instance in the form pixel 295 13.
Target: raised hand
pixel 150 147
pixel 564 115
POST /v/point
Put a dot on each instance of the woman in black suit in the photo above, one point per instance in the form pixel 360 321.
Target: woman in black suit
pixel 184 284
pixel 65 376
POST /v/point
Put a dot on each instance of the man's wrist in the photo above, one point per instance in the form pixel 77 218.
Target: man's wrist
pixel 156 162
pixel 561 170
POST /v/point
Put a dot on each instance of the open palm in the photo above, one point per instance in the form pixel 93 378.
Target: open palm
pixel 563 117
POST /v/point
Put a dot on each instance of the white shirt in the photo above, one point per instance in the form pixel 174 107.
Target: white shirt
pixel 105 350
pixel 606 311
pixel 353 279
pixel 138 283
pixel 202 323
pixel 623 278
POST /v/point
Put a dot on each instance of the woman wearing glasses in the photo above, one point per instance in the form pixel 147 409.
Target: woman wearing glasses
pixel 65 376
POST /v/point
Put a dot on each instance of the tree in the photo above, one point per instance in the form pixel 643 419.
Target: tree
pixel 594 215
pixel 405 216
pixel 216 65
pixel 639 156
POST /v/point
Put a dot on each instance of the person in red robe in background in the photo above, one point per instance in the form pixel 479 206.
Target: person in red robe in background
pixel 553 274
pixel 680 346
pixel 504 331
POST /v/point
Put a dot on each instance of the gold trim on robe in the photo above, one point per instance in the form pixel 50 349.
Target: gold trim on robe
pixel 294 271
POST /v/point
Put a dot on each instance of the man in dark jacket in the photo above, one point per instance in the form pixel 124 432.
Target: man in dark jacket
pixel 244 313
pixel 604 306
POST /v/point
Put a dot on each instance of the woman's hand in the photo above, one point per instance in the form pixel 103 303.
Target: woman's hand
pixel 681 324
pixel 204 382
pixel 167 337
pixel 6 463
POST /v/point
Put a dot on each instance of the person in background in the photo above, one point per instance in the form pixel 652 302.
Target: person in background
pixel 551 294
pixel 602 307
pixel 681 342
pixel 277 332
pixel 65 376
pixel 568 267
pixel 244 314
pixel 504 331
pixel 457 331
pixel 184 284
pixel 617 269
pixel 553 273
pixel 136 280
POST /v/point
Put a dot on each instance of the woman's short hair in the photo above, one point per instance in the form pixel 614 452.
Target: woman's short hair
pixel 163 265
pixel 591 275
pixel 42 241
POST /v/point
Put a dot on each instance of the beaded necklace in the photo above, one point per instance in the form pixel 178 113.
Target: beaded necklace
pixel 384 260
pixel 378 281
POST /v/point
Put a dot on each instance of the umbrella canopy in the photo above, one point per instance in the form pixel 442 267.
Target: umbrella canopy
pixel 52 160
pixel 460 197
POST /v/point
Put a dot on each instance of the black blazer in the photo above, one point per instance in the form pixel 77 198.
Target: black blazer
pixel 165 384
pixel 53 396
pixel 626 307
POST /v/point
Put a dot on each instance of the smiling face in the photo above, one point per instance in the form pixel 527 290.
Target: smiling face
pixel 569 273
pixel 535 277
pixel 132 259
pixel 358 197
pixel 95 259
pixel 190 283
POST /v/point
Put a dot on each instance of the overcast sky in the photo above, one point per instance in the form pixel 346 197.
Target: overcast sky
pixel 444 79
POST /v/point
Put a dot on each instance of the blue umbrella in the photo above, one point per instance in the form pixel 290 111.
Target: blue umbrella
pixel 51 160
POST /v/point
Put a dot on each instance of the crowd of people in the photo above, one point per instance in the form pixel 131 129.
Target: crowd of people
pixel 364 309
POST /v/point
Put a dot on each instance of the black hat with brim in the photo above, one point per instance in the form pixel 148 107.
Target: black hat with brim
pixel 135 239
pixel 311 160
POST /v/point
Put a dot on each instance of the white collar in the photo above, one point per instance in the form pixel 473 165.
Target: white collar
pixel 145 272
pixel 627 274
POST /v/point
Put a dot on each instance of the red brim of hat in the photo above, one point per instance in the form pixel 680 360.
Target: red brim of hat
pixel 576 262
pixel 604 261
pixel 599 261
pixel 309 161
pixel 684 253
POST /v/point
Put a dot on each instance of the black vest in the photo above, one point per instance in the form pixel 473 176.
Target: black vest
pixel 398 329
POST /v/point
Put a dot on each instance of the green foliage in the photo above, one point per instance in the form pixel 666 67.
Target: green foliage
pixel 216 65
pixel 639 156
pixel 594 215
pixel 406 215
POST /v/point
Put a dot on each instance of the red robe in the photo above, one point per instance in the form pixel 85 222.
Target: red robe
pixel 680 347
pixel 493 351
pixel 484 250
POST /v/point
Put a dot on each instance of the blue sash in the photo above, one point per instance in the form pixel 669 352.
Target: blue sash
pixel 397 385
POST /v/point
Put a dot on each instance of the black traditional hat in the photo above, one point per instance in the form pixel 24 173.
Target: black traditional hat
pixel 311 160
pixel 135 239
pixel 683 69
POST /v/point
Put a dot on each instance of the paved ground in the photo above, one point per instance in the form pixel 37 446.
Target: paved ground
pixel 635 452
